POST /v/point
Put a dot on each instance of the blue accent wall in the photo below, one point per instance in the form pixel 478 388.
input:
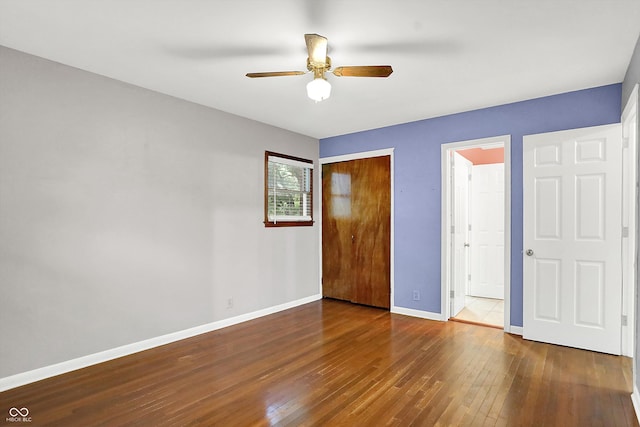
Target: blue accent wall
pixel 418 175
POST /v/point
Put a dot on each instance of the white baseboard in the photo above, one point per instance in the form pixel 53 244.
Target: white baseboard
pixel 23 378
pixel 417 313
pixel 635 399
pixel 516 330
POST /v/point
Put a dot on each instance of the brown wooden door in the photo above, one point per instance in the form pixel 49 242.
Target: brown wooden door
pixel 356 231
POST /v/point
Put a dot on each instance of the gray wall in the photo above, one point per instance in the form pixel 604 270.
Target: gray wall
pixel 631 78
pixel 632 75
pixel 126 214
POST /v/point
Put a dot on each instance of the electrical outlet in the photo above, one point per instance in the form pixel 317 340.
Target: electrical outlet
pixel 230 303
pixel 416 295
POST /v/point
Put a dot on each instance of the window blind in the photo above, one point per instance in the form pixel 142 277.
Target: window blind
pixel 289 189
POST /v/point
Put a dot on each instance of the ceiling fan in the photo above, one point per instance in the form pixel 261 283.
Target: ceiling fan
pixel 319 63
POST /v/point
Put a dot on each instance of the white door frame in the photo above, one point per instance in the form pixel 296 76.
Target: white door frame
pixel 445 250
pixel 630 137
pixel 355 156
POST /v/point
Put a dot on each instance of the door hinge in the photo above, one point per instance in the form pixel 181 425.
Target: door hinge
pixel 452 294
pixel 469 177
pixel 625 142
pixel 453 229
pixel 469 227
pixel 625 231
pixel 469 277
pixel 624 320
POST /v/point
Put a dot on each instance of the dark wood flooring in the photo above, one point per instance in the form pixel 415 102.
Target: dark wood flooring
pixel 331 363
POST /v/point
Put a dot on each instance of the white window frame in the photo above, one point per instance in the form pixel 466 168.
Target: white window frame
pixel 270 218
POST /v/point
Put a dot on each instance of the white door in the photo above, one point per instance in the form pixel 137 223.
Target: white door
pixel 461 172
pixel 572 238
pixel 487 231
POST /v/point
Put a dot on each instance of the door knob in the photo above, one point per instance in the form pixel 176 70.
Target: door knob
pixel 466 245
pixel 529 252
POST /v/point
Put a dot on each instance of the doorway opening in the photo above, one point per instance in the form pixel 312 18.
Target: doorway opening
pixel 476 231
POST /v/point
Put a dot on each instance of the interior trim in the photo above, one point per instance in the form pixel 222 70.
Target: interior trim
pixel 515 330
pixel 416 313
pixel 635 399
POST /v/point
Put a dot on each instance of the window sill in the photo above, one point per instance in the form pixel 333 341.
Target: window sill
pixel 288 223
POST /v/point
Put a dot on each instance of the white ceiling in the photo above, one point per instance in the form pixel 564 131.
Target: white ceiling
pixel 448 56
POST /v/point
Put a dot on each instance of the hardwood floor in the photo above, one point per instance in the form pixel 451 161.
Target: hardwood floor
pixel 334 363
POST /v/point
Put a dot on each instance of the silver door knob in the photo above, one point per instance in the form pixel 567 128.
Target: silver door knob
pixel 466 245
pixel 529 252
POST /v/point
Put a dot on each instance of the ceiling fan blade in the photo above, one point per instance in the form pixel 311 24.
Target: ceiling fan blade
pixel 276 74
pixel 363 71
pixel 317 47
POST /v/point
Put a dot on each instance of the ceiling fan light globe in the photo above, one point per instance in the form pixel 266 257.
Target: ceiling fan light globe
pixel 318 89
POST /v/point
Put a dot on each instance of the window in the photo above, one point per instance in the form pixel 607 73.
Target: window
pixel 288 190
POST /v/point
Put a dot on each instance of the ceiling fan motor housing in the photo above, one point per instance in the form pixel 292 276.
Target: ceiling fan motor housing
pixel 318 68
